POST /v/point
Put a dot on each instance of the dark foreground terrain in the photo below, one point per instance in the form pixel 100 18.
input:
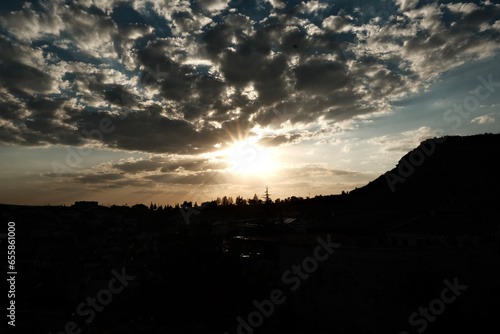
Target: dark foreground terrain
pixel 416 250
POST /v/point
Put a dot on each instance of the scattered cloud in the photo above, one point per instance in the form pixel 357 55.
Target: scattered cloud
pixel 182 80
pixel 405 141
pixel 485 119
pixel 203 66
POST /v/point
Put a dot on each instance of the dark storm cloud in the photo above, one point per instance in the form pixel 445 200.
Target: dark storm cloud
pixel 319 77
pixel 21 78
pixel 479 16
pixel 138 166
pixel 36 122
pixel 278 140
pixel 174 80
pixel 119 95
pixel 219 36
pixel 98 178
pixel 169 165
pixel 150 131
pixel 270 83
pixel 203 72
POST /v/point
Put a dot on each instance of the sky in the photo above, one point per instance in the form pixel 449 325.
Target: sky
pixel 165 101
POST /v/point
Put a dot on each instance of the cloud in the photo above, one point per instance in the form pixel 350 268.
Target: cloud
pixel 278 140
pixel 213 5
pixel 192 75
pixel 139 166
pixel 308 7
pixel 406 4
pixel 171 164
pixel 26 24
pixel 404 142
pixel 98 178
pixel 485 119
pixel 337 23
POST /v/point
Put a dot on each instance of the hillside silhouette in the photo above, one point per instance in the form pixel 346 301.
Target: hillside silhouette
pixel 403 238
pixel 452 167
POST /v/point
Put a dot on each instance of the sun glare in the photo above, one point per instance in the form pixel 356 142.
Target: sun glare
pixel 246 157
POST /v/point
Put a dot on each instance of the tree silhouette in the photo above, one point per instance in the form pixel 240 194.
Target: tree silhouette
pixel 266 196
pixel 240 201
pixel 254 200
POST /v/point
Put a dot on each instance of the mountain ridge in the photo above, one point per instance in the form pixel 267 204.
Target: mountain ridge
pixel 456 166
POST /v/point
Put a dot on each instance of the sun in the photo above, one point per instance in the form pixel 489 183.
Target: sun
pixel 246 157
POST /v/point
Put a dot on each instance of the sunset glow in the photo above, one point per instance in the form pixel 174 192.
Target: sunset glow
pixel 246 157
pixel 141 100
